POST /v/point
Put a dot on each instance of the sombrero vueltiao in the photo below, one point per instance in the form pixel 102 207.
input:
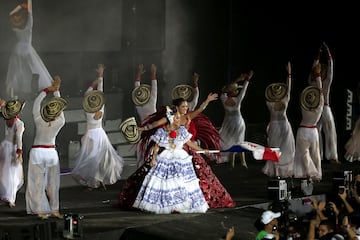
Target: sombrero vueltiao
pixel 52 108
pixel 231 87
pixel 93 101
pixel 182 91
pixel 129 130
pixel 12 108
pixel 19 18
pixel 141 94
pixel 310 98
pixel 275 92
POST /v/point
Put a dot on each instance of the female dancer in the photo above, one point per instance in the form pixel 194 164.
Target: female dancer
pixel 97 163
pixel 233 127
pixel 144 96
pixel 202 131
pixel 11 169
pixel 307 160
pixel 279 130
pixel 326 124
pixel 25 65
pixel 171 185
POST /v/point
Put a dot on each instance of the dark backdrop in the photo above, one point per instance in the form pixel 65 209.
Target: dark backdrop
pixel 218 39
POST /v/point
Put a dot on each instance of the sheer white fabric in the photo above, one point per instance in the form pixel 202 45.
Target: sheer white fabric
pixel 42 192
pixel 307 150
pixel 11 171
pixel 280 135
pixel 326 125
pixel 43 180
pixel 24 62
pixel 233 127
pixel 97 162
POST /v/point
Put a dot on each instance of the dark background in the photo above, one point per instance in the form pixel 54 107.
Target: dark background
pixel 217 39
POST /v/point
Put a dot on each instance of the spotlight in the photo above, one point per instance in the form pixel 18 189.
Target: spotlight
pixel 72 226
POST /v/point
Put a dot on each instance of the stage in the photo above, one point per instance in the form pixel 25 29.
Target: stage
pixel 100 220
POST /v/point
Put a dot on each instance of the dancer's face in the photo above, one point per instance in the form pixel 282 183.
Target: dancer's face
pixel 182 108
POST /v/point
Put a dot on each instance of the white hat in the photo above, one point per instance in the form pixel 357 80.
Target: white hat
pixel 268 216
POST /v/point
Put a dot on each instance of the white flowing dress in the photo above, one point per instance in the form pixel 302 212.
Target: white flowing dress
pixel 11 171
pixel 24 62
pixel 171 185
pixel 233 127
pixel 280 135
pixel 97 162
pixel 307 159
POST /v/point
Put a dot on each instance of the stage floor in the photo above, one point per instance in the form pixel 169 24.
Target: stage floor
pixel 101 220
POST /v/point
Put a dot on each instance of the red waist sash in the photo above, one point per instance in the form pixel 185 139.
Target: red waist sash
pixel 43 146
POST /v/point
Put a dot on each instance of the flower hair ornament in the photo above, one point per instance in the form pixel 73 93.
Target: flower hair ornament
pixel 169 114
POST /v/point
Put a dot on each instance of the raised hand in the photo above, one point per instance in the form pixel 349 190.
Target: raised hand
pixel 212 97
pixel 195 78
pixel 288 68
pixel 249 75
pixel 141 69
pixel 327 49
pixel 317 69
pixel 100 69
pixel 153 69
pixel 241 78
pixel 2 102
pixel 55 85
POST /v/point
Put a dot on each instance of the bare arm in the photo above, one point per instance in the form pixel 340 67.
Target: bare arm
pixel 194 102
pixel 2 103
pixel 230 234
pixel 154 91
pixel 288 81
pixel 139 74
pixel 343 197
pixel 19 7
pixel 317 75
pixel 16 9
pixel 155 124
pixel 100 70
pixel 29 2
pixel 196 147
pixel 98 83
pixel 56 86
pixel 316 62
pixel 330 68
pixel 248 77
pixel 211 97
pixel 312 229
